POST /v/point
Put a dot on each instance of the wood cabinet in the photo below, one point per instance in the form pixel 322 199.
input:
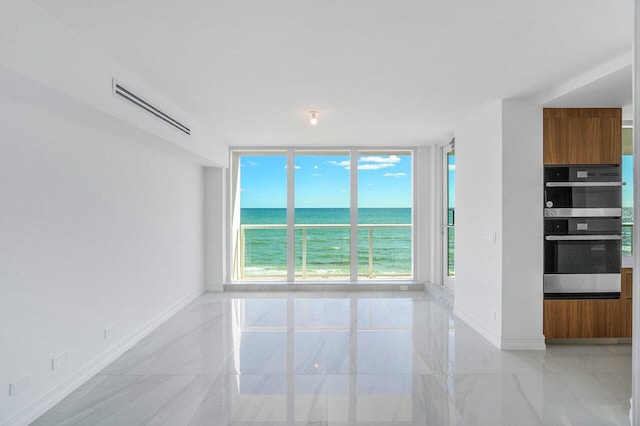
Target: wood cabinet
pixel 586 136
pixel 589 318
pixel 582 135
pixel 579 318
pixel 626 302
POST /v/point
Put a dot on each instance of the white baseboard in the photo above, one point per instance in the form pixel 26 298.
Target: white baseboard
pixel 479 328
pixel 62 390
pixel 503 343
pixel 440 293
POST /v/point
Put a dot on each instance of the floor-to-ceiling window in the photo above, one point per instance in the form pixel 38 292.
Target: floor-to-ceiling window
pixel 384 214
pixel 259 231
pixel 627 191
pixel 322 215
pixel 449 217
pixel 350 213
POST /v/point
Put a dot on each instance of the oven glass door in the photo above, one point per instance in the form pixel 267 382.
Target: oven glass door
pixel 567 256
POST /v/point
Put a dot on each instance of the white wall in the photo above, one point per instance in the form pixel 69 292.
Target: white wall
pixel 479 216
pixel 424 190
pixel 499 224
pixel 215 228
pixel 96 231
pixel 45 62
pixel 522 226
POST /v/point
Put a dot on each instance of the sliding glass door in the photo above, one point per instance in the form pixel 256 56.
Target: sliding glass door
pixel 322 215
pixel 384 215
pixel 449 217
pixel 259 231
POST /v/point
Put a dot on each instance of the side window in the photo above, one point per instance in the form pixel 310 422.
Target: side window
pixel 627 191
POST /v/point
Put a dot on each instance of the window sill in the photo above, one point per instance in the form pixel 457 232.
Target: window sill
pixel 325 286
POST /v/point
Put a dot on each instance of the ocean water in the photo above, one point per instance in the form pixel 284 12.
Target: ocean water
pixel 324 252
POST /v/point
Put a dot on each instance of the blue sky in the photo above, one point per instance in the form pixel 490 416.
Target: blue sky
pixel 451 172
pixel 627 176
pixel 324 180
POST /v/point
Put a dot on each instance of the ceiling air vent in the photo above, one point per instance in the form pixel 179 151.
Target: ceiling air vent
pixel 127 94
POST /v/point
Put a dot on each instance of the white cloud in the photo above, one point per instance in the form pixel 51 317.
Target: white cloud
pixel 452 167
pixel 370 163
pixel 251 163
pixel 317 174
pixel 295 167
pixel 401 174
pixel 375 166
pixel 379 159
pixel 315 167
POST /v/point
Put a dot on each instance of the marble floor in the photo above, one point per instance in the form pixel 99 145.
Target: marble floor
pixel 352 358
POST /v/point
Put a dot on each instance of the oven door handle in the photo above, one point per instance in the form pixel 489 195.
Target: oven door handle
pixel 572 184
pixel 582 237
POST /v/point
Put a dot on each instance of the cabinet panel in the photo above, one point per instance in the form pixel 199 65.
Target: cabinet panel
pixel 626 302
pixel 582 135
pixel 581 318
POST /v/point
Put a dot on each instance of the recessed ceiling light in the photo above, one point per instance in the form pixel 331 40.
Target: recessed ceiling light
pixel 314 117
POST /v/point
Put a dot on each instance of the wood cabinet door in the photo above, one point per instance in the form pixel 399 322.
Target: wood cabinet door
pixel 626 302
pixel 582 135
pixel 586 318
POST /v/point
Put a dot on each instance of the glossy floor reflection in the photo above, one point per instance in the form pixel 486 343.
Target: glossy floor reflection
pixel 344 359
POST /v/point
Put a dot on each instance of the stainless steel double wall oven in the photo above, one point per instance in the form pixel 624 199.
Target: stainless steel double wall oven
pixel 583 231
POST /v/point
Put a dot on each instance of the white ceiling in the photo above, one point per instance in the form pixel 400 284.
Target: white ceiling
pixel 381 72
pixel 609 91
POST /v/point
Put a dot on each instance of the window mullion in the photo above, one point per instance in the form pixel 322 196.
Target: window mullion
pixel 291 214
pixel 354 215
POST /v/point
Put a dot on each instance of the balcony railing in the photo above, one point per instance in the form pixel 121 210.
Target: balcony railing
pixel 304 272
pixel 627 239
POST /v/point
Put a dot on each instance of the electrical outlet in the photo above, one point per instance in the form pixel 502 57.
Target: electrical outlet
pixel 108 332
pixel 20 385
pixel 59 361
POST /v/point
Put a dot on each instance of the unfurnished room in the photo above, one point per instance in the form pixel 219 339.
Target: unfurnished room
pixel 303 212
